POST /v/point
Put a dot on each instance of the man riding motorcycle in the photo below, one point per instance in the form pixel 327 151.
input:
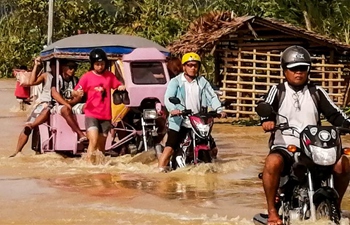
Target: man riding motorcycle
pixel 300 108
pixel 195 93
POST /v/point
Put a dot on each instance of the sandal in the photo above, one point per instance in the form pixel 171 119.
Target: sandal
pixel 13 155
pixel 82 139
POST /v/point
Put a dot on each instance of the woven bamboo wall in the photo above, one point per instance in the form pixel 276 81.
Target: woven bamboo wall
pixel 248 75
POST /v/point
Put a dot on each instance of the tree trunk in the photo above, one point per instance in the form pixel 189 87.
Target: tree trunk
pixel 307 20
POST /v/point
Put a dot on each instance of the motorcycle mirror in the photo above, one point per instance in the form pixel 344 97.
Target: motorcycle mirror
pixel 264 109
pixel 174 100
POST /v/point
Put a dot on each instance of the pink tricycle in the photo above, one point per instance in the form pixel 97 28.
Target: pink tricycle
pixel 140 64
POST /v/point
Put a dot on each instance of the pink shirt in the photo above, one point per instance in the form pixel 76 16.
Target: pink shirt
pixel 22 92
pixel 97 88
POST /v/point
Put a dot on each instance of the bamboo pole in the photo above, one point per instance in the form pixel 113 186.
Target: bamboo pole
pixel 281 72
pixel 241 112
pixel 268 75
pixel 257 75
pixel 323 72
pixel 225 74
pixel 254 83
pixel 239 93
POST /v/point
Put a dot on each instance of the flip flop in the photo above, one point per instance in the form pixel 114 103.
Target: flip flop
pixel 82 139
pixel 13 155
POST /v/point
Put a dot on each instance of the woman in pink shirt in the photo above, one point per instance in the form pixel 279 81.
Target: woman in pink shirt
pixel 96 84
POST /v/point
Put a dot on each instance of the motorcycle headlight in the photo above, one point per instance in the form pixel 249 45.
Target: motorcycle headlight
pixel 203 129
pixel 323 156
pixel 149 114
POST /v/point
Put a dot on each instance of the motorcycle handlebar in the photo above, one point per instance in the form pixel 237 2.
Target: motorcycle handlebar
pixel 285 126
pixel 185 112
pixel 343 130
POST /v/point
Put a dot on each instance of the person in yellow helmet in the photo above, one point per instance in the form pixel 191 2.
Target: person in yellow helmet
pixel 195 93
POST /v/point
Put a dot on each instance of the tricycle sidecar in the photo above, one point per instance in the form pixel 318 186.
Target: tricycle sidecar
pixel 56 135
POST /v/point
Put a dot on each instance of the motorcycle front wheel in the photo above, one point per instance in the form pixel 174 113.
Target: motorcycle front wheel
pixel 327 209
pixel 204 156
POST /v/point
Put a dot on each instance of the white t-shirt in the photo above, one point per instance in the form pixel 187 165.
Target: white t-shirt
pixel 300 110
pixel 192 98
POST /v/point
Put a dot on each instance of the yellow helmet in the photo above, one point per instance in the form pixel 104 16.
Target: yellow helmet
pixel 191 56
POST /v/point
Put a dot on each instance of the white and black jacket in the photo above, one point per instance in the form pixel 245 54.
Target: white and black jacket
pixel 302 108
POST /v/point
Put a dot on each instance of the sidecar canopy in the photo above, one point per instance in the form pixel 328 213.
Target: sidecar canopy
pixel 115 45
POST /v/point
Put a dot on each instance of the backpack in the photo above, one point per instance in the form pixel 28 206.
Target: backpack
pixel 281 93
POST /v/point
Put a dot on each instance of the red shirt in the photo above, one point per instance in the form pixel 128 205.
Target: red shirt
pixel 97 88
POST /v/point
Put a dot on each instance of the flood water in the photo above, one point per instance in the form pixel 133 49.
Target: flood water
pixel 53 189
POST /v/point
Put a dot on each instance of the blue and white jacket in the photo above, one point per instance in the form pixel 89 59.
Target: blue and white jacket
pixel 176 88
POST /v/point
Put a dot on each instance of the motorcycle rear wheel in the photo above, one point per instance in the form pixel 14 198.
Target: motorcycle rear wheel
pixel 327 209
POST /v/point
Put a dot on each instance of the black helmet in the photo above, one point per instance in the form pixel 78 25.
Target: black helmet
pixel 295 56
pixel 97 55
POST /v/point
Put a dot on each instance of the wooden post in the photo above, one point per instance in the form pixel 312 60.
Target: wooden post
pixel 268 76
pixel 331 60
pixel 253 80
pixel 217 74
pixel 346 97
pixel 239 86
pixel 224 93
pixel 281 73
pixel 323 72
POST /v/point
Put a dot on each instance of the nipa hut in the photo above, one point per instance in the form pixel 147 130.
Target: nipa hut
pixel 247 57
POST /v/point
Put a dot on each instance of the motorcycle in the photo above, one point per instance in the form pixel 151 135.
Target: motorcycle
pixel 195 147
pixel 152 121
pixel 308 192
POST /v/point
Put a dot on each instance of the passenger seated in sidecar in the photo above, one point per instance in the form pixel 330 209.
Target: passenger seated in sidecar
pixel 68 105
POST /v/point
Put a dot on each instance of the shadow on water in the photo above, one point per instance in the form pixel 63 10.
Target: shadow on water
pixel 168 188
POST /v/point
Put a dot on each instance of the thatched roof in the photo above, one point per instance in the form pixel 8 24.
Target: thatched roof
pixel 204 32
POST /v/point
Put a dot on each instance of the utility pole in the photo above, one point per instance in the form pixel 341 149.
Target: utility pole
pixel 50 23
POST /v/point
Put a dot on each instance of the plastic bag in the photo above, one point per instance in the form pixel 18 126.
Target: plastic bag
pixel 22 77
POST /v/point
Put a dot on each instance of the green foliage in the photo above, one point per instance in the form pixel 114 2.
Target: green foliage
pixel 23 33
pixel 23 23
pixel 346 110
pixel 82 68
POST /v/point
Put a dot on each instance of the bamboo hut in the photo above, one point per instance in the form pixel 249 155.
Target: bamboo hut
pixel 247 57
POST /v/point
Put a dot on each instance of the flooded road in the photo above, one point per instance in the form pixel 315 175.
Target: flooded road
pixel 53 189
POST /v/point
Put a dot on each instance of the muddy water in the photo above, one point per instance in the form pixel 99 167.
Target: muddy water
pixel 53 189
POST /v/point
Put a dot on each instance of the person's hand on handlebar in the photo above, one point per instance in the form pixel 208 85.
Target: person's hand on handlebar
pixel 121 88
pixel 175 112
pixel 268 126
pixel 223 115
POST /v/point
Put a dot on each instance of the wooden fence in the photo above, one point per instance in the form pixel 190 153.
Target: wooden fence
pixel 248 75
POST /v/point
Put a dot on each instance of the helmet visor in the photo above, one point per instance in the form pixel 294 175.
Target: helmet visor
pixel 297 64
